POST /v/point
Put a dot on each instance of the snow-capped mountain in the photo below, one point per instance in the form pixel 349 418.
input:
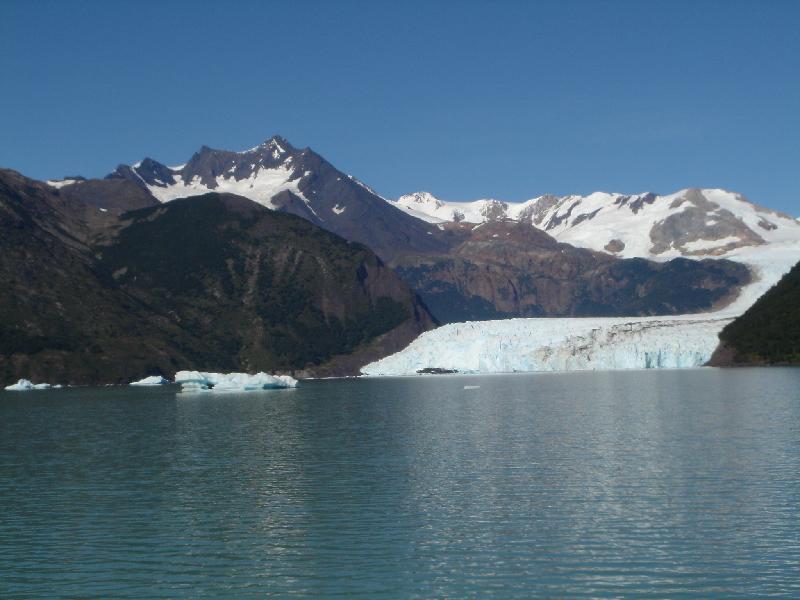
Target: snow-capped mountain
pixel 279 176
pixel 691 222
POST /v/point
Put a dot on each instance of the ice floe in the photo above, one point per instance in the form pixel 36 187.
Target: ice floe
pixel 152 380
pixel 24 385
pixel 197 381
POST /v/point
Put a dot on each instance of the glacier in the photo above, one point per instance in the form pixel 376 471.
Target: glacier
pixel 197 381
pixel 574 344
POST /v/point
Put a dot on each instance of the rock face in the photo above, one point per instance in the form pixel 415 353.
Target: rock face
pixel 215 282
pixel 505 269
pixel 768 333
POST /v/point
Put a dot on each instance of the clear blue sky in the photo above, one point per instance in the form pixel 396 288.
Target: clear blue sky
pixel 466 100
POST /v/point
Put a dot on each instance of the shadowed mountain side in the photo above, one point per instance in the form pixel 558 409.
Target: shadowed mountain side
pixel 215 282
pixel 507 269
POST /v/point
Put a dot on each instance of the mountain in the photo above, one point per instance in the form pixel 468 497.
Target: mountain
pixel 215 282
pixel 503 269
pixel 768 332
pixel 279 176
pixel 689 223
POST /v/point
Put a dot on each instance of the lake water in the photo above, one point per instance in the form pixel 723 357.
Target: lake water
pixel 650 483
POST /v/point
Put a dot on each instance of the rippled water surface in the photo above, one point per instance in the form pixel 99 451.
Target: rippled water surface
pixel 599 484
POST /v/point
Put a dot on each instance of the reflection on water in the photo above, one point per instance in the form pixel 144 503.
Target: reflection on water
pixel 596 484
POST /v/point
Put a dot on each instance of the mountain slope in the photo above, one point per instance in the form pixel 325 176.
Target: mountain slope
pixel 271 290
pixel 505 269
pixel 215 282
pixel 769 331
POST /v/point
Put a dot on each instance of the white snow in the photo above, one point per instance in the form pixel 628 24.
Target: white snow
pixel 260 187
pixel 438 211
pixel 59 183
pixel 197 381
pixel 152 380
pixel 568 218
pixel 25 385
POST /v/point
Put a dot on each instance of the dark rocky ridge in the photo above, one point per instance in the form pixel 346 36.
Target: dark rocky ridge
pixel 214 282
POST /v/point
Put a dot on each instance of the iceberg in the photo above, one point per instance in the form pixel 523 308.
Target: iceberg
pixel 152 380
pixel 197 381
pixel 24 385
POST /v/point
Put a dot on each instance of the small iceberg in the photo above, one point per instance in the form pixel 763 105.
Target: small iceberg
pixel 24 385
pixel 472 387
pixel 153 380
pixel 196 381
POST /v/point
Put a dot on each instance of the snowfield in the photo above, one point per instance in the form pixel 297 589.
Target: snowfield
pixel 709 219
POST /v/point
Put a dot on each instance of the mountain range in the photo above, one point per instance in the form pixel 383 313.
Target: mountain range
pixel 461 272
pixel 271 258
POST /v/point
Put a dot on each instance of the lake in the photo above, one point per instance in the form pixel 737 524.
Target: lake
pixel 645 483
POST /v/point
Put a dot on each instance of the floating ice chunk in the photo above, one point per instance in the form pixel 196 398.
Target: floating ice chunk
pixel 196 381
pixel 153 380
pixel 25 385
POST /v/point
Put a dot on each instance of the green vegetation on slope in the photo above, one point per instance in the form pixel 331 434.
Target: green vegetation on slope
pixel 769 332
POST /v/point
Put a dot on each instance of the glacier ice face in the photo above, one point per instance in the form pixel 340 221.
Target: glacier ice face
pixel 153 380
pixel 569 344
pixel 24 385
pixel 558 345
pixel 197 381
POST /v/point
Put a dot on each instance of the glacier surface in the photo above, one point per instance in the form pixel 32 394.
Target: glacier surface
pixel 197 381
